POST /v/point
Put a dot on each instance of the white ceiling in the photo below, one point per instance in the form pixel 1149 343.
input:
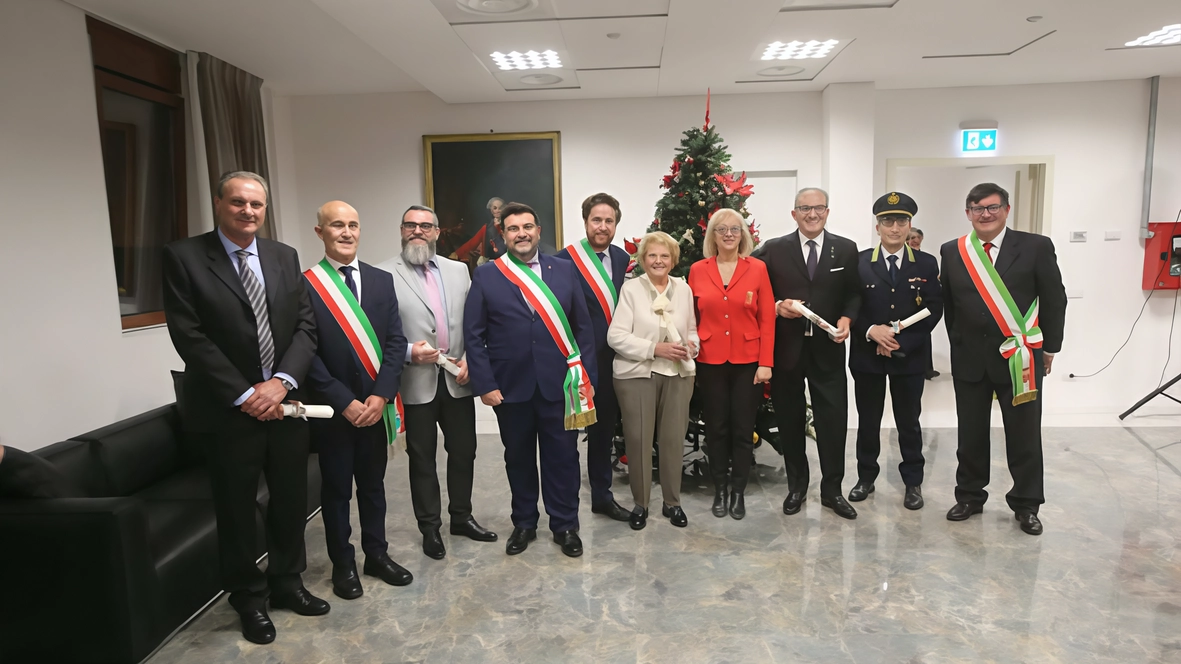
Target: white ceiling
pixel 662 47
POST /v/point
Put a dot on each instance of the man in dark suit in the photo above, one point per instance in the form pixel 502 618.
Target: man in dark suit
pixel 600 215
pixel 820 270
pixel 516 367
pixel 897 282
pixel 359 380
pixel 1025 265
pixel 241 320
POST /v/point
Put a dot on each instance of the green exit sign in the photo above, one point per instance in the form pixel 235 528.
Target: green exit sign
pixel 978 140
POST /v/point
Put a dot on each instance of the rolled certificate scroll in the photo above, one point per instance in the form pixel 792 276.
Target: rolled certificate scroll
pixel 303 411
pixel 446 363
pixel 816 320
pixel 899 325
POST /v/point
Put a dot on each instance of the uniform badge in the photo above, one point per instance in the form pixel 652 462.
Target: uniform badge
pixel 893 199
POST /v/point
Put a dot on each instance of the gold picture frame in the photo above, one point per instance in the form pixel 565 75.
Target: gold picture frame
pixel 465 172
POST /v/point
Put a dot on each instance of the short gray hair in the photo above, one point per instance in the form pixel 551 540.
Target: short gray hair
pixel 243 175
pixel 422 208
pixel 808 190
pixel 494 198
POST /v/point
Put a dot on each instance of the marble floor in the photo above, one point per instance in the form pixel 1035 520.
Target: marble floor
pixel 1103 584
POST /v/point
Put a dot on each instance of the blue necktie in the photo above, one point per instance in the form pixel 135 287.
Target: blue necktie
pixel 347 270
pixel 893 269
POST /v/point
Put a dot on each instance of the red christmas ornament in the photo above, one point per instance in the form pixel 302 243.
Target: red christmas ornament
pixel 631 265
pixel 632 245
pixel 702 224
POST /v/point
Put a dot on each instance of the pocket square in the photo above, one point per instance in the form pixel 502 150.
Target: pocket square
pixel 836 269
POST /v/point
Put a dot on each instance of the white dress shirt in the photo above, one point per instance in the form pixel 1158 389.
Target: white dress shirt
pixel 819 240
pixel 356 265
pixel 996 244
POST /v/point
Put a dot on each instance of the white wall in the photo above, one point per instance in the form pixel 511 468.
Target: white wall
pixel 67 367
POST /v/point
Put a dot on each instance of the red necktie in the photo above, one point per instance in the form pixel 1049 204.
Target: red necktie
pixel 988 250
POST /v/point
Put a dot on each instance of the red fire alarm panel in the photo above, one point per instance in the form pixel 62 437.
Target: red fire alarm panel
pixel 1162 257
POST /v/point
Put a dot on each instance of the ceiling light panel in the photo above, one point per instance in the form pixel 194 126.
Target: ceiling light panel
pixel 1166 36
pixel 528 60
pixel 798 50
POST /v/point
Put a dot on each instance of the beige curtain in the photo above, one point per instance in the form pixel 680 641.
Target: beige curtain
pixel 232 119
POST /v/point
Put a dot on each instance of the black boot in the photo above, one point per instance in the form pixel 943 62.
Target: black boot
pixel 719 507
pixel 737 505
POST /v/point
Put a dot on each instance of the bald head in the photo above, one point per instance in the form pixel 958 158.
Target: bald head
pixel 334 210
pixel 339 228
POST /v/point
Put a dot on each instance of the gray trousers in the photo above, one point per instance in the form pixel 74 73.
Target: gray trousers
pixel 654 408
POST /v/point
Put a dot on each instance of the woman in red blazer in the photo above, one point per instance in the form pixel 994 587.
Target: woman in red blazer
pixel 736 323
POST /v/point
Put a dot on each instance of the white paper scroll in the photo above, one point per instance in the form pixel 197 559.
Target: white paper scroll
pixel 446 363
pixel 303 411
pixel 899 325
pixel 816 320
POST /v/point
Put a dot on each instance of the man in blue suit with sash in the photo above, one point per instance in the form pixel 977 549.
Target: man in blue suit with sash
pixel 357 370
pixel 531 356
pixel 602 267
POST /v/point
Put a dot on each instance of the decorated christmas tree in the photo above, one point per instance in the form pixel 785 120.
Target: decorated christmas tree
pixel 699 183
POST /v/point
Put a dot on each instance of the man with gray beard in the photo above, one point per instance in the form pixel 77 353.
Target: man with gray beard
pixel 432 291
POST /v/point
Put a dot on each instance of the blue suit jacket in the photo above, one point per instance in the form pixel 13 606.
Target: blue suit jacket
pixel 883 301
pixel 337 375
pixel 619 260
pixel 508 346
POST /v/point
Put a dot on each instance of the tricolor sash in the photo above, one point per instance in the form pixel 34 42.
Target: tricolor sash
pixel 351 318
pixel 1022 332
pixel 592 270
pixel 580 407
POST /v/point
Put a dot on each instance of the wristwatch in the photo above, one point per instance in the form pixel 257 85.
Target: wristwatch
pixel 287 385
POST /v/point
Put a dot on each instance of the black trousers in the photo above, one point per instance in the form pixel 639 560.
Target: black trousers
pixel 830 416
pixel 348 454
pixel 457 418
pixel 906 396
pixel 526 428
pixel 729 402
pixel 1023 441
pixel 237 456
pixel 601 434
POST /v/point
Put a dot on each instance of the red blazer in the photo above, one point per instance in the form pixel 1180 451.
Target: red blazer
pixel 736 324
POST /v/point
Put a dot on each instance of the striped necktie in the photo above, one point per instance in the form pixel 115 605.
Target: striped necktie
pixel 258 302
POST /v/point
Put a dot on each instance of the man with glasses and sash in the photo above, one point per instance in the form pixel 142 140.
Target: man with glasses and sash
pixel 530 352
pixel 897 282
pixel 357 370
pixel 602 267
pixel 1005 311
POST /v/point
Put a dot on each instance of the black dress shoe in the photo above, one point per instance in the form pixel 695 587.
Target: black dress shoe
pixel 613 510
pixel 472 530
pixel 300 601
pixel 675 515
pixel 839 505
pixel 860 492
pixel 961 511
pixel 432 545
pixel 638 520
pixel 913 499
pixel 719 506
pixel 345 582
pixel 571 543
pixel 387 570
pixel 519 540
pixel 257 626
pixel 1029 522
pixel 794 501
pixel 931 374
pixel 737 505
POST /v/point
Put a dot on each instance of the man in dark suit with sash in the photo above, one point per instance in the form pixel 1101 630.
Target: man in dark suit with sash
pixel 357 370
pixel 897 282
pixel 602 267
pixel 1005 310
pixel 531 356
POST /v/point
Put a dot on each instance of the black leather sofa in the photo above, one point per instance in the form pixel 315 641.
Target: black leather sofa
pixel 108 576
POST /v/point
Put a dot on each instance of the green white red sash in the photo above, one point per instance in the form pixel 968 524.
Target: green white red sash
pixel 595 274
pixel 1022 332
pixel 580 407
pixel 347 312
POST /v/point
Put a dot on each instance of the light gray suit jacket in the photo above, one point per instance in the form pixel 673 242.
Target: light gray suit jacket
pixel 419 381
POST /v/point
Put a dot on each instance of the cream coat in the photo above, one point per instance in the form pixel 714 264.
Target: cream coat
pixel 635 329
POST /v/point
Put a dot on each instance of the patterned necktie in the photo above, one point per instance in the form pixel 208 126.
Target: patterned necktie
pixel 347 271
pixel 988 250
pixel 893 269
pixel 812 258
pixel 432 294
pixel 258 302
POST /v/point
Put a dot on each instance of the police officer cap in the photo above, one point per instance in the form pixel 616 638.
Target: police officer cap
pixel 895 202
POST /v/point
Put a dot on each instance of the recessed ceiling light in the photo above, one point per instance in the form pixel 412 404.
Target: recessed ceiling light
pixel 540 79
pixel 780 70
pixel 798 50
pixel 527 60
pixel 496 6
pixel 1034 19
pixel 1170 34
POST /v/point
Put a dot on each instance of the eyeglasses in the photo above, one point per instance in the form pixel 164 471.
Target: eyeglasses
pixel 732 230
pixel 978 210
pixel 889 222
pixel 805 209
pixel 425 227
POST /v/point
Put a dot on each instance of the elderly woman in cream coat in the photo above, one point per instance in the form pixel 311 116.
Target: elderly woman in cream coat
pixel 654 334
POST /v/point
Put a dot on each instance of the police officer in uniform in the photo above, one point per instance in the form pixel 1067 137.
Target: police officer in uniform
pixel 897 281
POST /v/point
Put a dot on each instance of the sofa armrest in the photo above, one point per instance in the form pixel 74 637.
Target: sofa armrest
pixel 83 573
